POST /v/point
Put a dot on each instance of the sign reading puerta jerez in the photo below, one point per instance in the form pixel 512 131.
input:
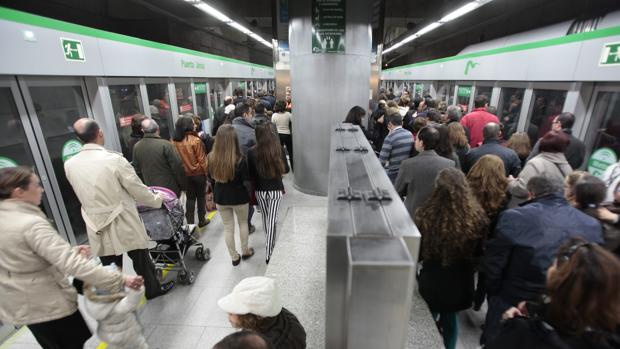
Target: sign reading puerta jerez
pixel 328 26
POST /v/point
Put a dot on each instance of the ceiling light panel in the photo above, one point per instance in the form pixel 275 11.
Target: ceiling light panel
pixel 208 9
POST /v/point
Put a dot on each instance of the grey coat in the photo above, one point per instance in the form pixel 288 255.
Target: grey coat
pixel 416 178
pixel 245 134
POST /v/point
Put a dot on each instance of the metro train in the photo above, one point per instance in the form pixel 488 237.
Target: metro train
pixel 529 77
pixel 53 72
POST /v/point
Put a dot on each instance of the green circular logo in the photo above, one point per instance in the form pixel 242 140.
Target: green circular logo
pixel 6 162
pixel 70 148
pixel 600 160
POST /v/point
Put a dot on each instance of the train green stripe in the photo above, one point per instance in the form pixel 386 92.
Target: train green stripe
pixel 45 22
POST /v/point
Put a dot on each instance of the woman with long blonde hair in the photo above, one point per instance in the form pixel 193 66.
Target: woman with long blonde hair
pixel 487 179
pixel 229 169
pixel 521 144
pixel 452 224
pixel 458 139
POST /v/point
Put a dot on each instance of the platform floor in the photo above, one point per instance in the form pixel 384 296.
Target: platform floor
pixel 188 317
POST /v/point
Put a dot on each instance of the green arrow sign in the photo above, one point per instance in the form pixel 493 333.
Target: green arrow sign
pixel 73 50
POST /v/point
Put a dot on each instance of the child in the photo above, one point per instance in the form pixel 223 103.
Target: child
pixel 115 314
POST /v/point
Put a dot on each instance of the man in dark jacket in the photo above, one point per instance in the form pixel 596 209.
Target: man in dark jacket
pixel 220 115
pixel 491 145
pixel 247 139
pixel 526 241
pixel 576 150
pixel 156 160
pixel 261 118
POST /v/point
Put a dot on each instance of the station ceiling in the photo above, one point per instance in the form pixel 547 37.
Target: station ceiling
pixel 179 23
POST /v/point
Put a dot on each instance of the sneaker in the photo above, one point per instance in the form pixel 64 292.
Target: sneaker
pixel 251 228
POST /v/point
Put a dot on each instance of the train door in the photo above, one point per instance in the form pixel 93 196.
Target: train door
pixel 53 105
pixel 602 134
pixel 18 144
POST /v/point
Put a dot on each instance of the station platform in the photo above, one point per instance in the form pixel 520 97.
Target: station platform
pixel 188 317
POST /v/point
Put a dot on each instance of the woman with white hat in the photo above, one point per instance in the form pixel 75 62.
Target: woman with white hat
pixel 254 304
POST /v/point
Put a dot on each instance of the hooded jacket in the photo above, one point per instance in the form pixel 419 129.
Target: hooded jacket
pixel 284 331
pixel 550 165
pixel 115 313
pixel 34 264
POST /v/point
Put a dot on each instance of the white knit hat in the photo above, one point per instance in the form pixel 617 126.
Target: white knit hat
pixel 256 295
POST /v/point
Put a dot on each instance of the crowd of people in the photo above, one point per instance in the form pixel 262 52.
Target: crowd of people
pixel 510 222
pixel 241 163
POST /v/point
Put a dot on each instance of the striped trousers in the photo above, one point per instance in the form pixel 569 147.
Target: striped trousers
pixel 269 202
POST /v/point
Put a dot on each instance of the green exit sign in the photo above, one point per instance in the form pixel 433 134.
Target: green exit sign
pixel 610 54
pixel 73 50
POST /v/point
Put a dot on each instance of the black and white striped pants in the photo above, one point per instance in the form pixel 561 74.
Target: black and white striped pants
pixel 269 202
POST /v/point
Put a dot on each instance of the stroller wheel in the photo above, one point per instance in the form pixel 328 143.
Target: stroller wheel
pixel 186 277
pixel 202 254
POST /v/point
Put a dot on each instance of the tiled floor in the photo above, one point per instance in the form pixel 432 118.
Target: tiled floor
pixel 189 317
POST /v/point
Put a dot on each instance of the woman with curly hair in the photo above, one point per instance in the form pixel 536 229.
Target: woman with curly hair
pixel 489 185
pixel 452 224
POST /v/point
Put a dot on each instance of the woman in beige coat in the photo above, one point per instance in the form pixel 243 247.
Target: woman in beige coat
pixel 35 262
pixel 550 163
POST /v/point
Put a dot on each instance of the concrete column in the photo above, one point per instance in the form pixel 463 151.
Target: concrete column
pixel 324 88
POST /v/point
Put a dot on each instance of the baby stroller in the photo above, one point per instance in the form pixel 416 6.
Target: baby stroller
pixel 173 238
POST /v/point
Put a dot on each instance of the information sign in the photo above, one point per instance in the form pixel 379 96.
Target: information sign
pixel 328 26
pixel 70 148
pixel 600 160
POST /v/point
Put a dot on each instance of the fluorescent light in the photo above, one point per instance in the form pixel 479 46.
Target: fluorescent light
pixel 223 18
pixel 213 12
pixel 427 29
pixel 460 11
pixel 240 28
pixel 470 6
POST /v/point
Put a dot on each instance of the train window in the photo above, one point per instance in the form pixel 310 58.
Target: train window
pixel 126 103
pixel 607 110
pixel 484 90
pixel 463 94
pixel 546 105
pixel 509 109
pixel 202 105
pixel 57 108
pixel 159 104
pixel 445 92
pixel 184 98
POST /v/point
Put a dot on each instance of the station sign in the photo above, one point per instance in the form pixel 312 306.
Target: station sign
pixel 70 149
pixel 610 54
pixel 73 50
pixel 7 162
pixel 463 91
pixel 600 160
pixel 200 88
pixel 328 26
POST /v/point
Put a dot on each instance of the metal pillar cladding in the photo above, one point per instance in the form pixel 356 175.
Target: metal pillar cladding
pixel 324 87
pixel 372 249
